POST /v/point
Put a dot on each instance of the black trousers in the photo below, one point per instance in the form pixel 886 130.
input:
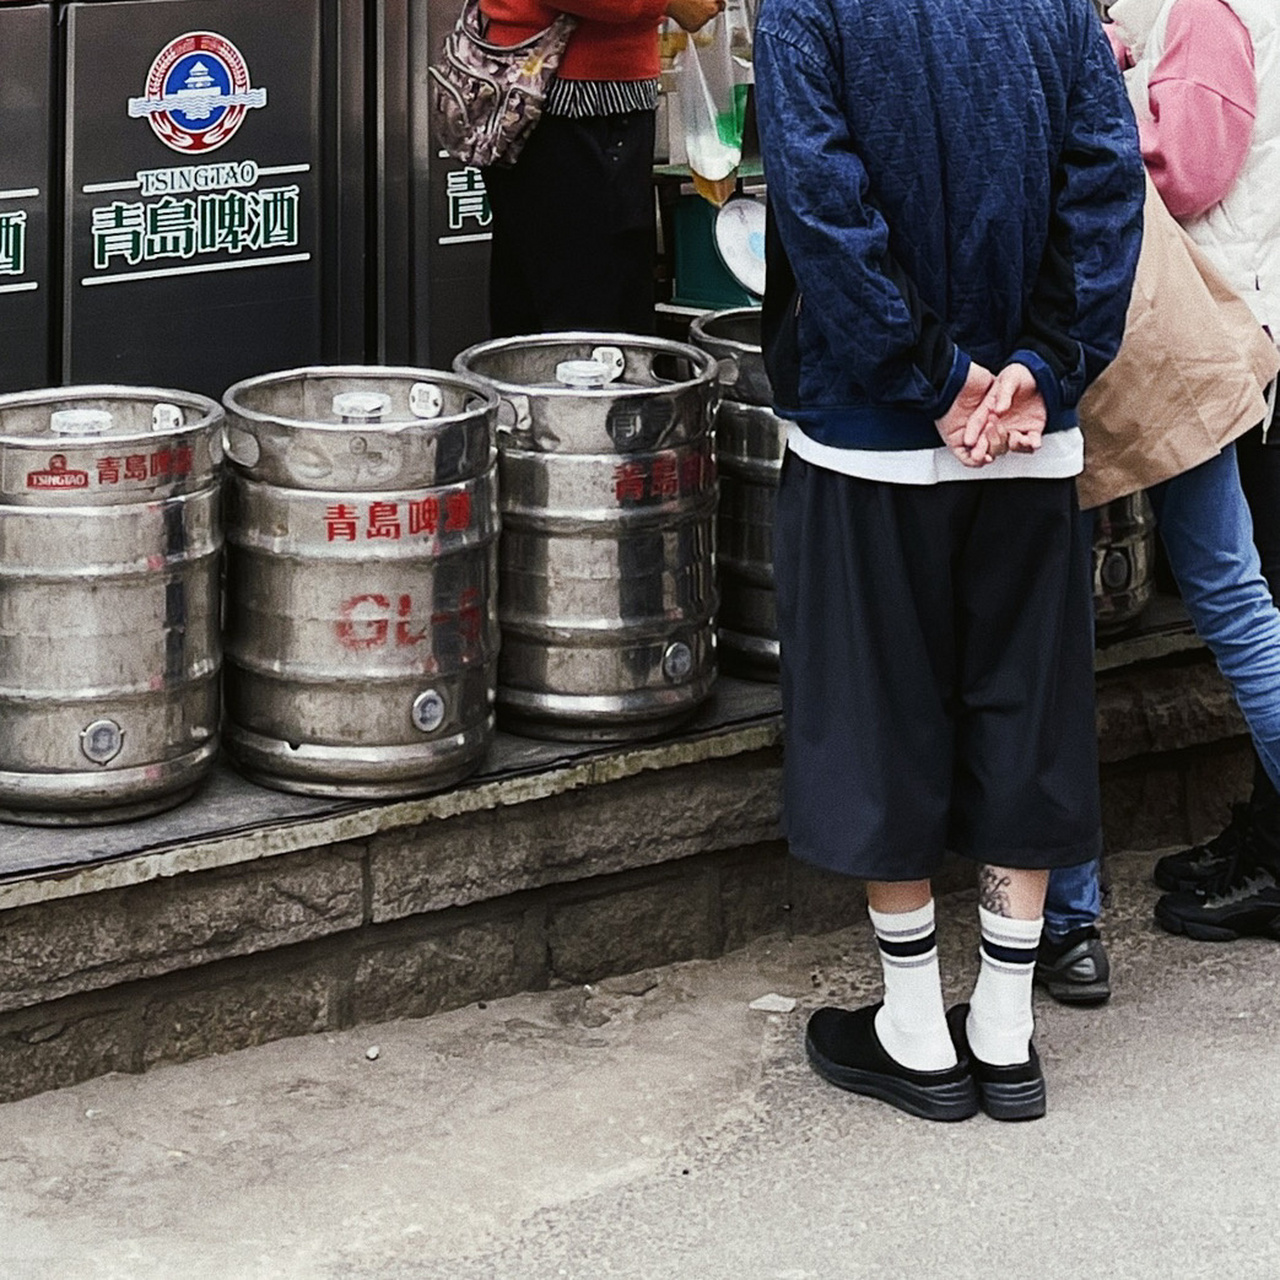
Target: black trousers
pixel 574 228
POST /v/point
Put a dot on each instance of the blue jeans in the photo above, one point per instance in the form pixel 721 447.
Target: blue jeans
pixel 1074 899
pixel 1207 532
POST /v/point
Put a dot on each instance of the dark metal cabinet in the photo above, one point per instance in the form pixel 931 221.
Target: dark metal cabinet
pixel 432 213
pixel 214 173
pixel 25 115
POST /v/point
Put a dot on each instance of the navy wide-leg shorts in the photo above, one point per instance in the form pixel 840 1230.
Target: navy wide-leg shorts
pixel 937 673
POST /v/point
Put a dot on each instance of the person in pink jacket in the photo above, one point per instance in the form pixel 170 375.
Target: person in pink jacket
pixel 1204 79
pixel 1198 120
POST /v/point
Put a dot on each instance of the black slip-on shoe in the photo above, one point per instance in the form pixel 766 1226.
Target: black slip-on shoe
pixel 1074 969
pixel 1006 1093
pixel 844 1049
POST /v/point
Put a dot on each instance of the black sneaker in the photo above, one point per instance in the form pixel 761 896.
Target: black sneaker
pixel 1244 902
pixel 1075 968
pixel 844 1049
pixel 1200 865
pixel 1006 1093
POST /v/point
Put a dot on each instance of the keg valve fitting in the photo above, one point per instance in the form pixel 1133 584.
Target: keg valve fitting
pixel 677 662
pixel 428 711
pixel 102 741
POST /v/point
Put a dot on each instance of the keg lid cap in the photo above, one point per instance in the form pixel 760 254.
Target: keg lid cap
pixel 80 422
pixel 361 406
pixel 582 373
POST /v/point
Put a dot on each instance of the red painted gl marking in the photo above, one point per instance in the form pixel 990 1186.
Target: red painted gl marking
pixel 364 622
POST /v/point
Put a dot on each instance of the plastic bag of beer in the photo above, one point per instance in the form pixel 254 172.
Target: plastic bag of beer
pixel 714 75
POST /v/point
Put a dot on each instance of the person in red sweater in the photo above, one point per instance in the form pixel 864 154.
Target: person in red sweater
pixel 574 231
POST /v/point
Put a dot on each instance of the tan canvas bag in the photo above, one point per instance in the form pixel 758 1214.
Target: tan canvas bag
pixel 1189 377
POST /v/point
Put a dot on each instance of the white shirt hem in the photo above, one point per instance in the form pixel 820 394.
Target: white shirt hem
pixel 1060 457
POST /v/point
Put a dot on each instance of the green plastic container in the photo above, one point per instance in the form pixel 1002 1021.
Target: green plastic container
pixel 701 279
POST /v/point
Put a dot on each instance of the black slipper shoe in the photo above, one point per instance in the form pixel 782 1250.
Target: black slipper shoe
pixel 1007 1093
pixel 844 1049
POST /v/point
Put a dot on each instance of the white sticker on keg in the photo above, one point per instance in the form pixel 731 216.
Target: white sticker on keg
pixel 612 359
pixel 166 417
pixel 426 400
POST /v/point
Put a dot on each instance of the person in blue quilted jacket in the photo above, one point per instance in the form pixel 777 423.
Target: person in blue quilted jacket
pixel 956 199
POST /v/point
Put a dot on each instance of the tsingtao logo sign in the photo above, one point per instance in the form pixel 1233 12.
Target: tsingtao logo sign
pixel 198 93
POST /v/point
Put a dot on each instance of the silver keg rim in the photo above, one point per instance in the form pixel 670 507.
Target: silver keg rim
pixel 233 397
pixel 701 360
pixel 703 328
pixel 84 396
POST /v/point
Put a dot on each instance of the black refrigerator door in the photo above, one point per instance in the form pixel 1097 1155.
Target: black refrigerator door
pixel 25 113
pixel 433 214
pixel 199 191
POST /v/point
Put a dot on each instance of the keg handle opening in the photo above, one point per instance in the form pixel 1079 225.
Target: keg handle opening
pixel 514 417
pixel 241 446
pixel 668 367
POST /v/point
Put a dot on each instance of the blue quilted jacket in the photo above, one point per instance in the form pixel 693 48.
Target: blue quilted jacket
pixel 949 180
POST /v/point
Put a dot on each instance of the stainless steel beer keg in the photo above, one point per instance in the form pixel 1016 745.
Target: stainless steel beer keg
pixel 361 631
pixel 750 440
pixel 607 591
pixel 109 547
pixel 1123 561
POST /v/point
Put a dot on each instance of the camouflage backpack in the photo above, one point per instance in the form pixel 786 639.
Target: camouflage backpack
pixel 486 97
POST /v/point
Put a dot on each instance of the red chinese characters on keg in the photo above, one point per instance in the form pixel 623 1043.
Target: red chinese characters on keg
pixel 662 475
pixel 140 468
pixel 374 620
pixel 419 517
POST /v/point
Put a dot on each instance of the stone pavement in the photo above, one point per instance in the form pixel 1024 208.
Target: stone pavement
pixel 653 1127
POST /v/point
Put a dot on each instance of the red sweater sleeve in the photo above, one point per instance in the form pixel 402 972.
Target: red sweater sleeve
pixel 534 13
pixel 614 39
pixel 651 11
pixel 1203 98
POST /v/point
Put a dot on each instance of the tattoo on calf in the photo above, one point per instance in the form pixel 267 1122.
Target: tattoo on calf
pixel 993 891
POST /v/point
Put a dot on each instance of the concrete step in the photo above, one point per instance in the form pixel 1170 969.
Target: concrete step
pixel 653 1126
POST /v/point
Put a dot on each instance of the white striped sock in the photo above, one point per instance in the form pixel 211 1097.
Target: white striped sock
pixel 912 1026
pixel 1000 1019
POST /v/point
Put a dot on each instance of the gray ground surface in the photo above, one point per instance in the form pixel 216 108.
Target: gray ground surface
pixel 653 1127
